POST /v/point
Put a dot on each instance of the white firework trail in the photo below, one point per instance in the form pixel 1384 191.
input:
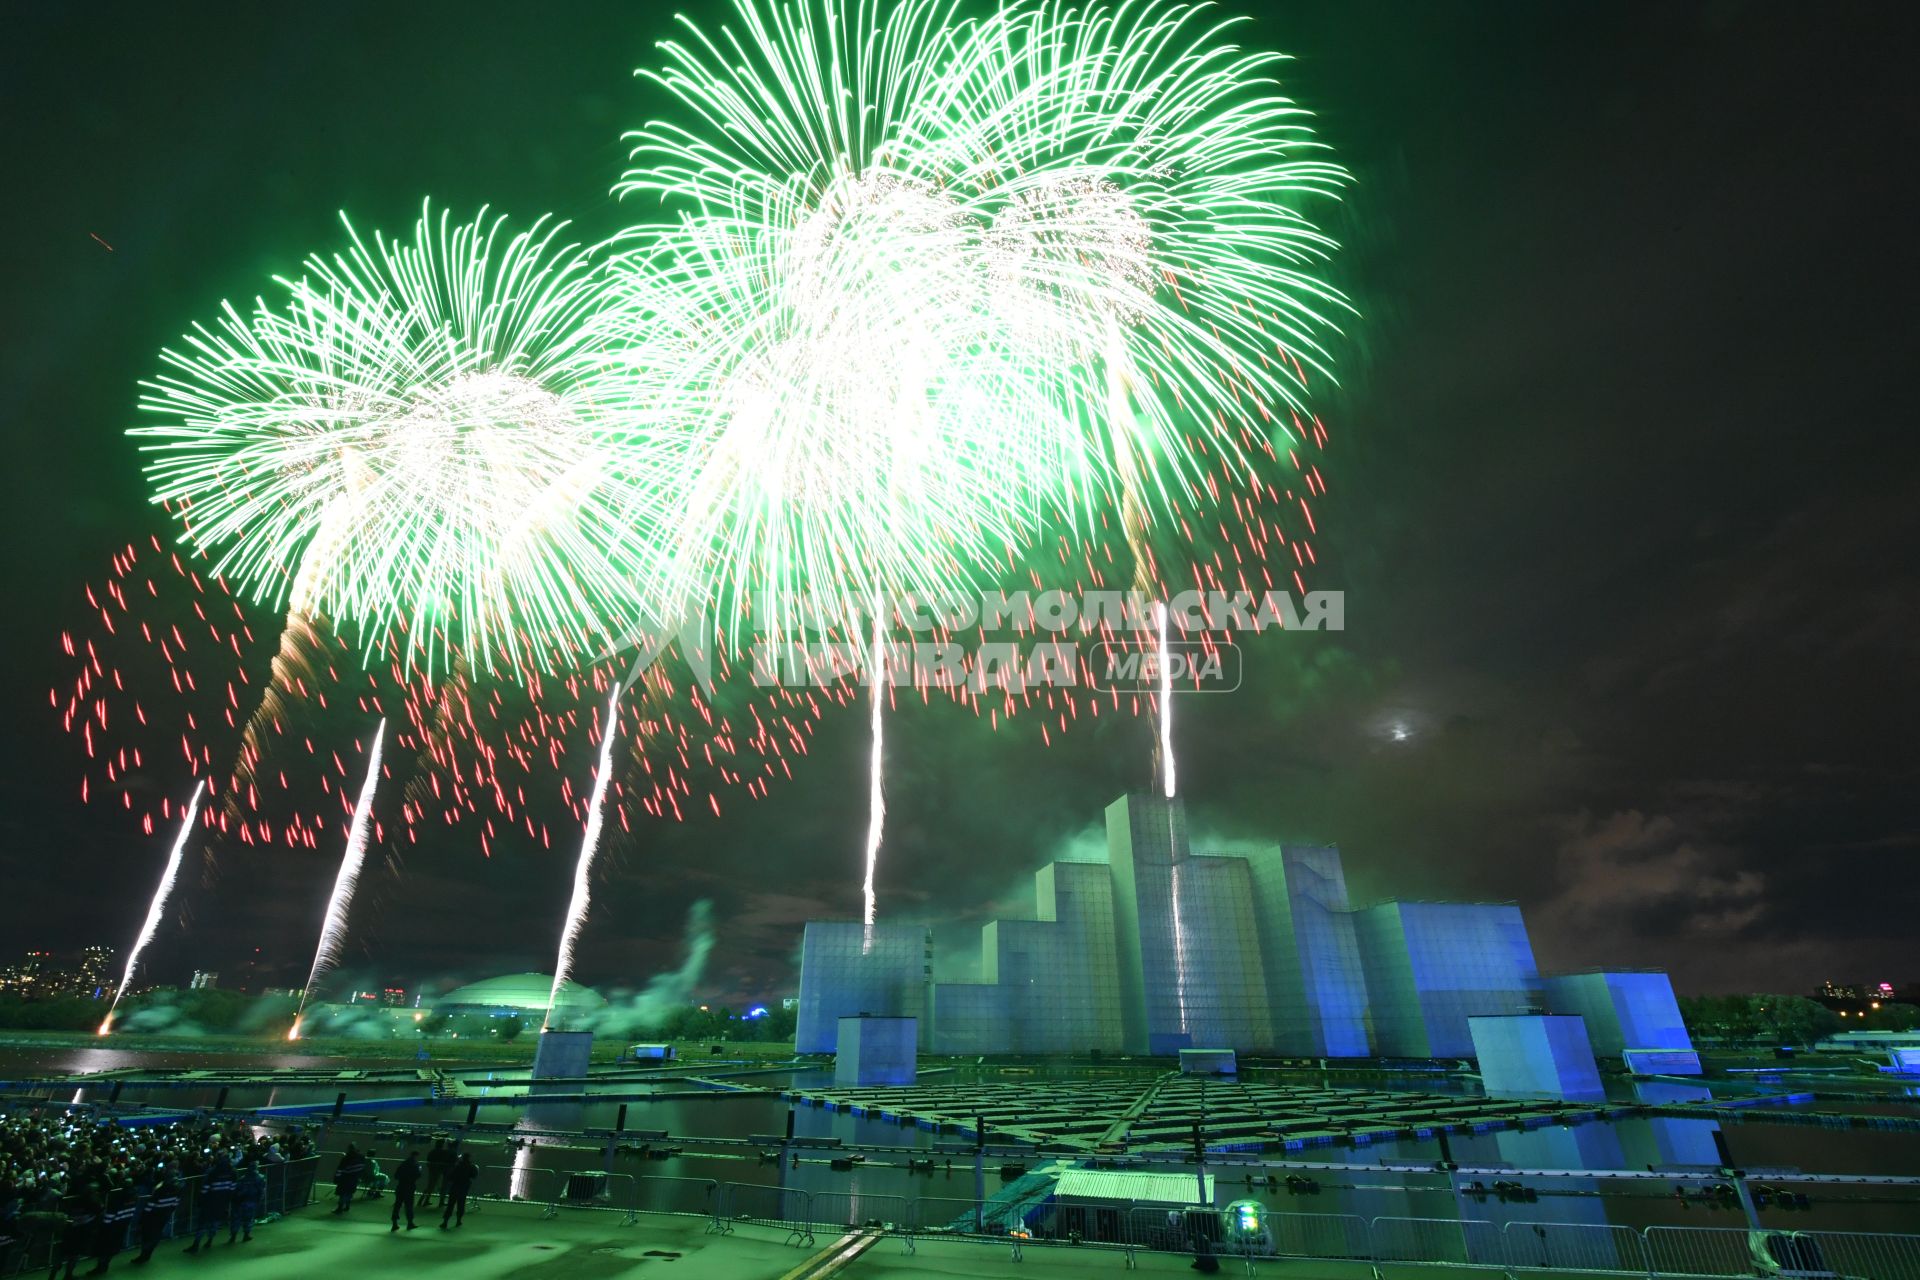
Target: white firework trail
pixel 158 909
pixel 1166 702
pixel 333 928
pixel 589 848
pixel 876 793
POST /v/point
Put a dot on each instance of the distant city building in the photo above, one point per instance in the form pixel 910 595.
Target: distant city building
pixel 96 972
pixel 394 997
pixel 204 980
pixel 1862 998
pixel 1163 948
pixel 27 977
pixel 41 975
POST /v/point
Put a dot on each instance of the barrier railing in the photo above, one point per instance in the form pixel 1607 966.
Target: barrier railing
pixel 856 1209
pixel 591 1189
pixel 1319 1235
pixel 695 1197
pixel 775 1207
pixel 500 1182
pixel 846 1210
pixel 1003 1222
pixel 1573 1246
pixel 1699 1251
pixel 628 1194
pixel 1156 1229
pixel 1457 1240
pixel 1865 1253
pixel 38 1235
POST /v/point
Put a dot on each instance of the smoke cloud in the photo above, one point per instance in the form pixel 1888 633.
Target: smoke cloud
pixel 666 992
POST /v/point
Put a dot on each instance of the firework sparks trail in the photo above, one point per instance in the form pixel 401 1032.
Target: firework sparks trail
pixel 589 847
pixel 167 662
pixel 158 909
pixel 1166 701
pixel 1163 755
pixel 333 929
pixel 876 792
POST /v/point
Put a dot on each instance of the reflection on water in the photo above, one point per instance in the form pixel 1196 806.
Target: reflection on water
pixel 521 1187
pixel 18 1063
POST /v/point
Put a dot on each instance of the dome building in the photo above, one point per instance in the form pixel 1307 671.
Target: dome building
pixel 522 995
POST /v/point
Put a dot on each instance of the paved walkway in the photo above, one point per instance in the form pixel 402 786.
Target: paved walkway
pixel 505 1241
pixel 500 1241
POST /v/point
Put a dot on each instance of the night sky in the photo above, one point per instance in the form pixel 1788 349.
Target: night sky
pixel 1618 496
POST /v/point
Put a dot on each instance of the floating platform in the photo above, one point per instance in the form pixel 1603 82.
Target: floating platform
pixel 1161 1114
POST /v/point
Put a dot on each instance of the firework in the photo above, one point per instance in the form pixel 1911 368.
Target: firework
pixel 1146 222
pixel 1165 670
pixel 1124 184
pixel 157 910
pixel 1144 185
pixel 859 432
pixel 837 458
pixel 589 847
pixel 865 436
pixel 417 440
pixel 333 926
pixel 876 792
pixel 1116 200
pixel 416 443
pixel 162 663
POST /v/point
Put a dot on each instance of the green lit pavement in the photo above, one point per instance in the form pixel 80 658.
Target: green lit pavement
pixel 505 1241
pixel 499 1240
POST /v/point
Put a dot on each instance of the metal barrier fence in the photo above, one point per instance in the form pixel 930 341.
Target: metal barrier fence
pixel 1458 1240
pixel 1574 1246
pixel 1698 1251
pixel 776 1207
pixel 1730 1251
pixel 1252 1236
pixel 698 1197
pixel 35 1234
pixel 1319 1235
pixel 1866 1253
pixel 942 1215
pixel 1264 1236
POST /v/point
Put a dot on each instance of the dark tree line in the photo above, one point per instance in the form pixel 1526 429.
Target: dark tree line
pixel 1788 1020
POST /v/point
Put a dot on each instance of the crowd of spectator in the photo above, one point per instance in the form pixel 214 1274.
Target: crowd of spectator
pixel 90 1187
